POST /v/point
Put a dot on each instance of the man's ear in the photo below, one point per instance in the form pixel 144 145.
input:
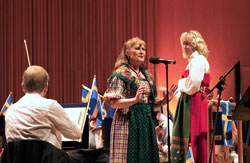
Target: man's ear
pixel 45 89
pixel 47 86
pixel 22 85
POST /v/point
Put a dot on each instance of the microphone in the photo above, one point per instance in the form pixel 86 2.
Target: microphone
pixel 157 60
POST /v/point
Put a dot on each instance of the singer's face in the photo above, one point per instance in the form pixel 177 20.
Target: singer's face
pixel 187 48
pixel 137 54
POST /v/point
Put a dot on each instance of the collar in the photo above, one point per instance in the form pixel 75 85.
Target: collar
pixel 124 71
pixel 193 55
pixel 33 94
pixel 124 74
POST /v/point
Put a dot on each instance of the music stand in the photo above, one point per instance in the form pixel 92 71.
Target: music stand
pixel 68 144
pixel 242 112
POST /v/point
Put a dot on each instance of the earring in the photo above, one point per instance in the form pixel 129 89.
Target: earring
pixel 127 57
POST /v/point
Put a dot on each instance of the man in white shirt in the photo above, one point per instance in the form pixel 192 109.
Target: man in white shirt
pixel 36 117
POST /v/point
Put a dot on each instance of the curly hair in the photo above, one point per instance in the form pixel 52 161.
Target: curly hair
pixel 123 58
pixel 197 42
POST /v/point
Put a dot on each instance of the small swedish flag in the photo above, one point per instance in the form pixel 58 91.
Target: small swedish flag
pixel 7 104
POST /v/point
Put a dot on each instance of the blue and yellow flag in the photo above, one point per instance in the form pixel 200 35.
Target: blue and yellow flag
pixel 104 112
pixel 98 123
pixel 7 104
pixel 85 94
pixel 189 158
pixel 99 107
pixel 111 112
pixel 226 123
pixel 93 110
pixel 96 109
pixel 99 116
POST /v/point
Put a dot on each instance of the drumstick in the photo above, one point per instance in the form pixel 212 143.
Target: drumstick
pixel 27 52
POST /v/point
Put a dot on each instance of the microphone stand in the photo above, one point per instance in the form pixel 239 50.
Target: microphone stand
pixel 219 86
pixel 156 60
pixel 168 113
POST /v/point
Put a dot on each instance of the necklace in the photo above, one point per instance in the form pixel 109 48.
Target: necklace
pixel 137 73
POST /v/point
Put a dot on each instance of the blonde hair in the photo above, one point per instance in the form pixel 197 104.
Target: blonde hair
pixel 35 79
pixel 197 42
pixel 123 58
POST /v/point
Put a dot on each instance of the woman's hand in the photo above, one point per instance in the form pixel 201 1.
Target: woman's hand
pixel 127 102
pixel 139 92
pixel 171 93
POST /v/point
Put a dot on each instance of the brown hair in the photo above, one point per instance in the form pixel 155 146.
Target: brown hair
pixel 123 58
pixel 35 78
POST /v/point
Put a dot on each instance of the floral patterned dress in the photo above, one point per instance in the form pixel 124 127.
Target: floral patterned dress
pixel 133 137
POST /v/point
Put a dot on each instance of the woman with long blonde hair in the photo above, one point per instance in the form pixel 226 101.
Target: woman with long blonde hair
pixel 190 124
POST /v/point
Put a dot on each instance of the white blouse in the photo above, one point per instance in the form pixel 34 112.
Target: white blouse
pixel 198 66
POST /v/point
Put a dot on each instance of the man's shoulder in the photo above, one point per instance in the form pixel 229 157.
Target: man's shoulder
pixel 42 101
pixel 36 101
pixel 51 102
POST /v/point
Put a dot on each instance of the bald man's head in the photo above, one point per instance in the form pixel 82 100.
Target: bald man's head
pixel 35 79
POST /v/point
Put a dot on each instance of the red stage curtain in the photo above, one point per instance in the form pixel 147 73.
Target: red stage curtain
pixel 73 40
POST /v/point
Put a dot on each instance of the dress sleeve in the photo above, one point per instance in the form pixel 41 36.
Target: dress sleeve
pixel 197 68
pixel 116 90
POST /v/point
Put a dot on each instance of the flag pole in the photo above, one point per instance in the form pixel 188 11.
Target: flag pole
pixel 90 90
pixel 25 44
pixel 86 111
pixel 86 87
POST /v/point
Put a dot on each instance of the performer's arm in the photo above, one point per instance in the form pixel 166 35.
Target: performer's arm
pixel 123 103
pixel 171 93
